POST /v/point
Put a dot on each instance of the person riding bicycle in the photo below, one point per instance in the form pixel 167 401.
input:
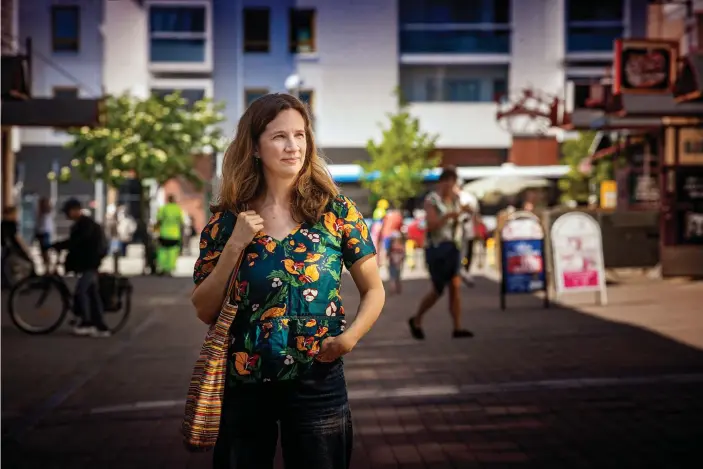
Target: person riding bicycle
pixel 86 245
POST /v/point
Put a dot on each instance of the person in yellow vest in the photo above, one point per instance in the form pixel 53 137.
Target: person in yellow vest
pixel 170 226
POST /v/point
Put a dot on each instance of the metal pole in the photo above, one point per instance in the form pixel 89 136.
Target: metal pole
pixel 99 196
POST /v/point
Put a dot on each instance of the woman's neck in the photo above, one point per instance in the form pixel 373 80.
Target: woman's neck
pixel 278 193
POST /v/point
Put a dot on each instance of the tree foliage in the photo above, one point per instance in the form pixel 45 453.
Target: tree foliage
pixel 574 185
pixel 398 162
pixel 154 138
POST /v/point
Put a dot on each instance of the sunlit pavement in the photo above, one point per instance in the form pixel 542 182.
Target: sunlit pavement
pixel 571 386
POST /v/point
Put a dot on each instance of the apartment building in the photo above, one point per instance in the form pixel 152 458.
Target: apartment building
pixel 450 58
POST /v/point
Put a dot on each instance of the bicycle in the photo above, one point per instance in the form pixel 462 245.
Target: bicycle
pixel 115 292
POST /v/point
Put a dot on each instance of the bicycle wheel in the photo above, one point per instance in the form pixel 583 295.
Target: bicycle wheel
pixel 38 305
pixel 118 309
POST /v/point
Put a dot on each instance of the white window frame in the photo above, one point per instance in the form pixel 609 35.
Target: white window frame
pixel 206 65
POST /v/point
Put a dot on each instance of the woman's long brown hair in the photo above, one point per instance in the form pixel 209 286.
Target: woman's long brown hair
pixel 243 179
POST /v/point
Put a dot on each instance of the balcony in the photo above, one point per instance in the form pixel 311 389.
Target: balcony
pixel 417 41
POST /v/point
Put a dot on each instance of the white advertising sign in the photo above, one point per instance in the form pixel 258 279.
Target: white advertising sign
pixel 577 247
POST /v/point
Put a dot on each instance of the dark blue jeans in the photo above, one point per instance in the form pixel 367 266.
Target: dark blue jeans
pixel 314 418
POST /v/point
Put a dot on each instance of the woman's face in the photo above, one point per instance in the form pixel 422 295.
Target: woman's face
pixel 282 145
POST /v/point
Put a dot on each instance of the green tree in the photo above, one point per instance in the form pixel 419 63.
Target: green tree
pixel 574 185
pixel 156 139
pixel 399 160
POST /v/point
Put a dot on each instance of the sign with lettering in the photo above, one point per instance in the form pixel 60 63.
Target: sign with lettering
pixel 577 247
pixel 644 66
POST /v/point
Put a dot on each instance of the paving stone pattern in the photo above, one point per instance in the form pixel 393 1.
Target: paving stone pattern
pixel 574 386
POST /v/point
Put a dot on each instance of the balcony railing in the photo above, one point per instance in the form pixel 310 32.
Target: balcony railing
pixel 455 41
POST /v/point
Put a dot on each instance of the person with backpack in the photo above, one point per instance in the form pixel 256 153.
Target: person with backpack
pixel 87 246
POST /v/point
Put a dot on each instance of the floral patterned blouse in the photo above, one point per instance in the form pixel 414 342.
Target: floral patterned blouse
pixel 287 290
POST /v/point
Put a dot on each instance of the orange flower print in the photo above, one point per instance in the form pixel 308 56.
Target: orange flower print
pixel 313 257
pixel 203 243
pixel 212 255
pixel 268 243
pixel 274 312
pixel 314 348
pixel 214 231
pixel 310 275
pixel 250 258
pixel 322 330
pixel 300 248
pixel 352 213
pixel 333 224
pixel 207 267
pixel 363 229
pixel 293 267
pixel 311 323
pixel 245 364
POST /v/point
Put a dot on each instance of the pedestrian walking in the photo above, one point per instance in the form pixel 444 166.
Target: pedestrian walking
pixel 279 209
pixel 442 252
pixel 170 225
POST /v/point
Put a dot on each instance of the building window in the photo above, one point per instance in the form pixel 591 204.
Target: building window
pixel 453 83
pixel 593 26
pixel 455 26
pixel 500 89
pixel 191 95
pixel 177 34
pixel 256 29
pixel 253 94
pixel 65 28
pixel 302 30
pixel 307 96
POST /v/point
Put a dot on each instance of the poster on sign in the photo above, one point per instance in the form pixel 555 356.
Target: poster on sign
pixel 522 251
pixel 577 247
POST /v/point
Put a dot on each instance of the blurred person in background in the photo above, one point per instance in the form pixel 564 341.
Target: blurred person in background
pixel 169 222
pixel 87 246
pixel 44 229
pixel 468 221
pixel 16 259
pixel 396 261
pixel 443 211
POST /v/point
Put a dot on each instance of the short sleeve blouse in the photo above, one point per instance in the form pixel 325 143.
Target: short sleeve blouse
pixel 287 290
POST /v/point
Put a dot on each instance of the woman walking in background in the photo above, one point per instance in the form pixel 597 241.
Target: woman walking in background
pixel 443 253
pixel 279 209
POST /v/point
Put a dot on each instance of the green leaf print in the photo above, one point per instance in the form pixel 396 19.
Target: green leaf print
pixel 332 295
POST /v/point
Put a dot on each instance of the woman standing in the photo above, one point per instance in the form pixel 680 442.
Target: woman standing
pixel 279 208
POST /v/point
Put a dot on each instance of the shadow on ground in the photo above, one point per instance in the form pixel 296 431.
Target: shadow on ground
pixel 535 388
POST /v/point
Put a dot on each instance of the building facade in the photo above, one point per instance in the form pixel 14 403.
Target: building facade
pixel 451 59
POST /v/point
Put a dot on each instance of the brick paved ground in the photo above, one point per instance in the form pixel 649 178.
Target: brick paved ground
pixel 572 386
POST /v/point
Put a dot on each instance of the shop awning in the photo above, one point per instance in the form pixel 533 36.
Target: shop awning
pixel 689 83
pixel 52 112
pixel 651 105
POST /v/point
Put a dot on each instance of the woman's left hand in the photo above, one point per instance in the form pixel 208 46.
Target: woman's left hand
pixel 335 347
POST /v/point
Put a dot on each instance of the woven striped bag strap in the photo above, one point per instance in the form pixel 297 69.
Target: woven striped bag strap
pixel 226 305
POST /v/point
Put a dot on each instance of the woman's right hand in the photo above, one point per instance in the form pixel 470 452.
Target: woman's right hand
pixel 248 224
